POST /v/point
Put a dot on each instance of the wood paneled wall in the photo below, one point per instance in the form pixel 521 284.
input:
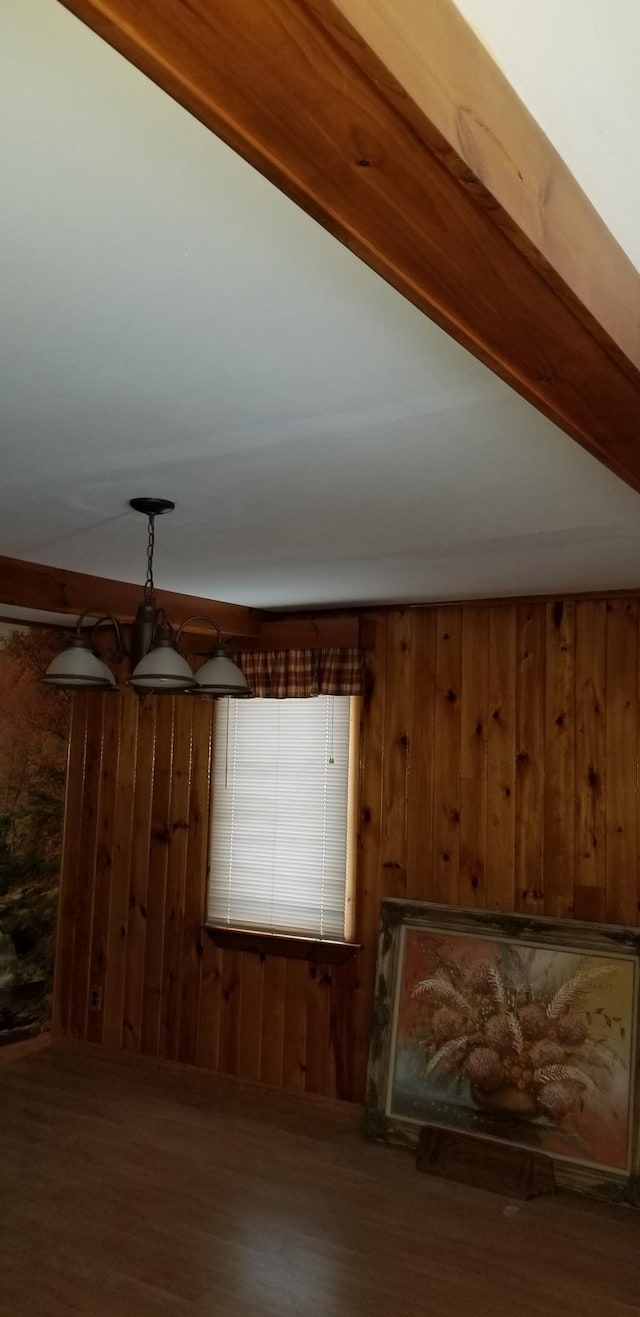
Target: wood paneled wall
pixel 135 968
pixel 499 768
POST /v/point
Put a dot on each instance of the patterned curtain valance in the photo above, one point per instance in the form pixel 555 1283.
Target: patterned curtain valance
pixel 285 673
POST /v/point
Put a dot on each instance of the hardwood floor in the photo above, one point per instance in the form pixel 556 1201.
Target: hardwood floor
pixel 128 1190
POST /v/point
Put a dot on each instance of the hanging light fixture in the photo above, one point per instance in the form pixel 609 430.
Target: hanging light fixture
pixel 219 675
pixel 79 667
pixel 158 665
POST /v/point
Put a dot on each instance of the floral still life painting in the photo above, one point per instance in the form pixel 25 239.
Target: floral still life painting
pixel 511 1039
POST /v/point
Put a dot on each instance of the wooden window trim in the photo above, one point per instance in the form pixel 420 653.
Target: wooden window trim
pixel 259 943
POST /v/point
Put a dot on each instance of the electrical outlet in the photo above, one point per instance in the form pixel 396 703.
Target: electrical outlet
pixel 95 999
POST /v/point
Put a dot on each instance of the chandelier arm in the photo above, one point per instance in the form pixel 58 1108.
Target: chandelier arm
pixel 121 652
pixel 88 612
pixel 199 617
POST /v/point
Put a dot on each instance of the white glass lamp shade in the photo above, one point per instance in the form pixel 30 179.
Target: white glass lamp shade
pixel 221 676
pixel 163 670
pixel 77 668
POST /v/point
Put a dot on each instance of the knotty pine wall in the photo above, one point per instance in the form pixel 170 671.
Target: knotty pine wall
pixel 499 768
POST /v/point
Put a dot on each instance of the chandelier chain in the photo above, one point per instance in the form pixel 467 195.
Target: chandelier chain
pixel 148 585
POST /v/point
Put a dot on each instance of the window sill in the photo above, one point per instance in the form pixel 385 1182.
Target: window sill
pixel 281 944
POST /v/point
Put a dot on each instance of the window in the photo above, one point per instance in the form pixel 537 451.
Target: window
pixel 283 813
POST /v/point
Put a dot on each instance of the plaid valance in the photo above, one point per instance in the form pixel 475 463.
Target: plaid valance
pixel 285 673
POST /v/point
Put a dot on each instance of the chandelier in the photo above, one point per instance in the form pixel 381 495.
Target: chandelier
pixel 157 664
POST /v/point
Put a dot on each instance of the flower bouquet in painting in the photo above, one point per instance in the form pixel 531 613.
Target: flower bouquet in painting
pixel 525 1047
pixel 508 1038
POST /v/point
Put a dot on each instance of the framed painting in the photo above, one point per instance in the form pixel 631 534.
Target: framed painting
pixel 513 1029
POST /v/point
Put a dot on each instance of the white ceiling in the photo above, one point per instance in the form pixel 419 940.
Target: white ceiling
pixel 174 326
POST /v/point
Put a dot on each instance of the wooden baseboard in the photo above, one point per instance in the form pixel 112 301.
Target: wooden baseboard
pixel 267 1096
pixel 41 1042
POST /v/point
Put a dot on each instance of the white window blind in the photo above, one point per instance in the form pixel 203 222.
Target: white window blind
pixel 280 820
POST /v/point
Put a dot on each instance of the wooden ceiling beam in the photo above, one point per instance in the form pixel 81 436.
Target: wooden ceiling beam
pixel 55 590
pixel 322 631
pixel 369 114
pixel 452 82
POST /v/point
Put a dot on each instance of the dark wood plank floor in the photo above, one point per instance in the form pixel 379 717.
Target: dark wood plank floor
pixel 132 1191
